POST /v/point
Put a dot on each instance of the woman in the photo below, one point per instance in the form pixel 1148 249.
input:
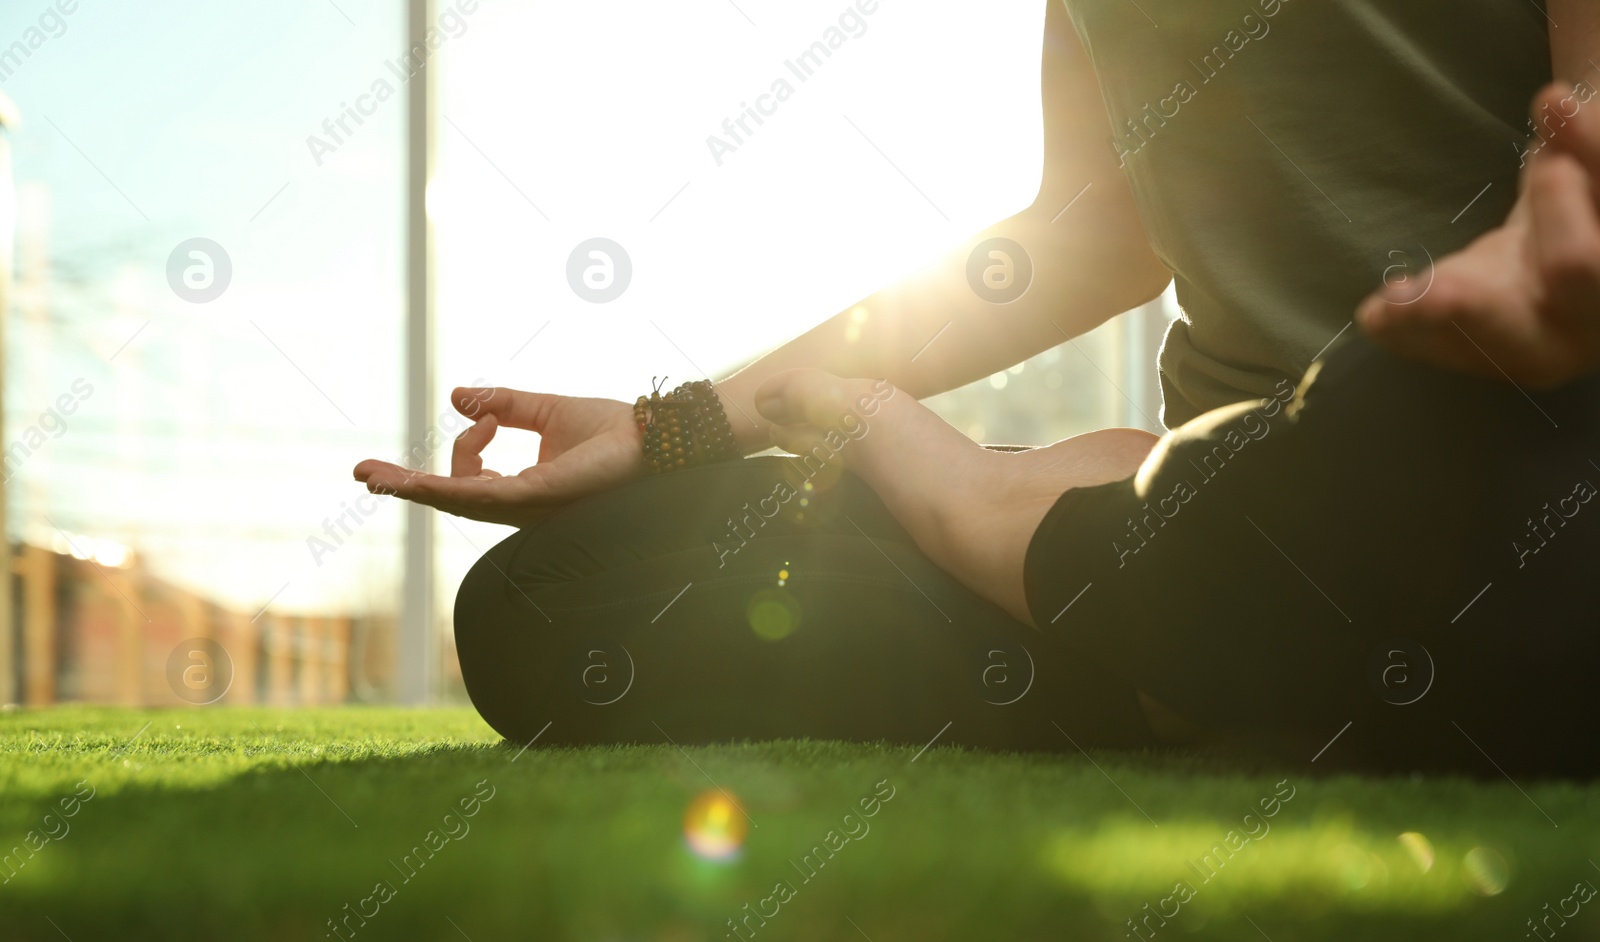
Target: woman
pixel 1357 547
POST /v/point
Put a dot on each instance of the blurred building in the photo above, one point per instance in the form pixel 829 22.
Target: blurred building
pixel 102 628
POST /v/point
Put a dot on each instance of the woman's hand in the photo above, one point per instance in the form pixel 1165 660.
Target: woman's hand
pixel 585 446
pixel 972 510
pixel 1522 302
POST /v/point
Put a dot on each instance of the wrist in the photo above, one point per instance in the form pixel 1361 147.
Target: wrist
pixel 684 428
pixel 751 432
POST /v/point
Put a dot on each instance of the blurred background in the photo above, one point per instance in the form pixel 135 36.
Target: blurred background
pixel 181 417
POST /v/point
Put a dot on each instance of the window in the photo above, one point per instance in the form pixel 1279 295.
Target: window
pixel 220 390
pixel 753 168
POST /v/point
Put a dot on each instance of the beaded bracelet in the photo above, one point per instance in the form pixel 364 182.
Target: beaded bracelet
pixel 684 428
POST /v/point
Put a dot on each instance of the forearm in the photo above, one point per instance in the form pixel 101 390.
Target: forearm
pixel 931 332
pixel 971 510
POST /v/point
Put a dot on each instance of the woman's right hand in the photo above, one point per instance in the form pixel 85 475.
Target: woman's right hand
pixel 585 446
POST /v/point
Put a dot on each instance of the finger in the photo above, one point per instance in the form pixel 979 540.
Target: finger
pixel 1566 236
pixel 376 473
pixel 501 499
pixel 466 456
pixel 1427 328
pixel 381 477
pixel 512 407
pixel 1412 301
pixel 803 397
pixel 365 469
pixel 1568 124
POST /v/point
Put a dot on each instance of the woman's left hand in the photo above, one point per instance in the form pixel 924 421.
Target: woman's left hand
pixel 972 510
pixel 1522 302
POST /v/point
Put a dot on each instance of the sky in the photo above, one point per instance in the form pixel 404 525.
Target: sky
pixel 219 435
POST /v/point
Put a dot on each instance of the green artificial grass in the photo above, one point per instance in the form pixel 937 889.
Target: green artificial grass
pixel 246 824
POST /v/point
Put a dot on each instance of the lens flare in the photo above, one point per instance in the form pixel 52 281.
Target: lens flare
pixel 824 476
pixel 774 614
pixel 714 826
pixel 1354 866
pixel 1419 849
pixel 1485 871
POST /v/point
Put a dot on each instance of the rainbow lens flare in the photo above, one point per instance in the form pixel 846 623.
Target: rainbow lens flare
pixel 714 826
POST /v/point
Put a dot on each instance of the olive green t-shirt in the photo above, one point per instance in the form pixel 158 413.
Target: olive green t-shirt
pixel 1290 156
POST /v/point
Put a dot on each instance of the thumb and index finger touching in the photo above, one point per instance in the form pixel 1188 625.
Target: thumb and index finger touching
pixel 489 408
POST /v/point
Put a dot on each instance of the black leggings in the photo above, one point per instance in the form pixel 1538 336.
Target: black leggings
pixel 676 606
pixel 1278 574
